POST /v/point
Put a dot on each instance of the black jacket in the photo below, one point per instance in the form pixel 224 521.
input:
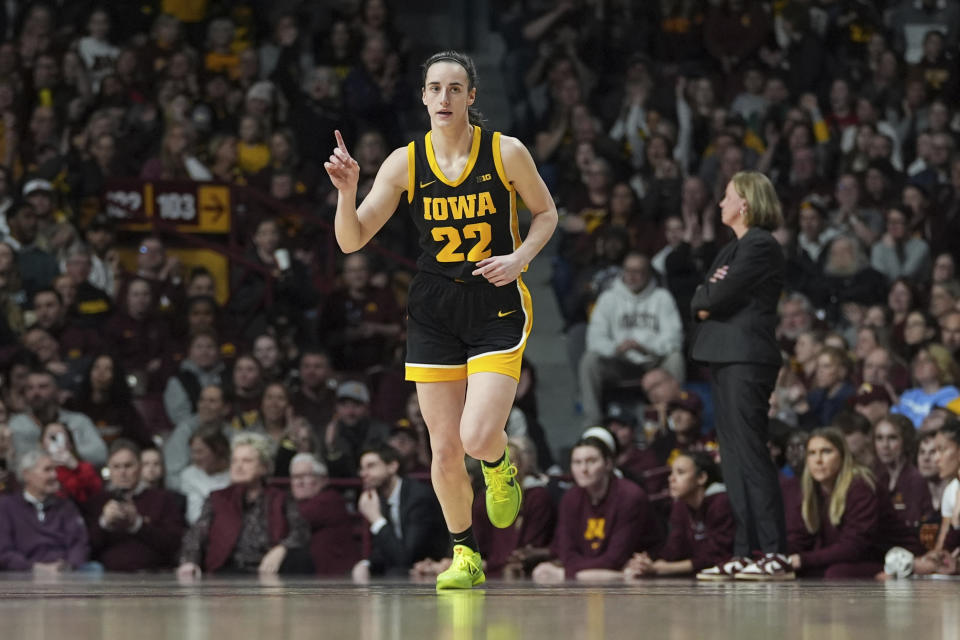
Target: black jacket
pixel 424 534
pixel 742 306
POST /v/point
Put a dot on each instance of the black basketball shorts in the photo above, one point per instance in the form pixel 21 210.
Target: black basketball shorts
pixel 455 329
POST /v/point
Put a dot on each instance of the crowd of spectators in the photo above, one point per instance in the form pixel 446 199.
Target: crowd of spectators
pixel 148 426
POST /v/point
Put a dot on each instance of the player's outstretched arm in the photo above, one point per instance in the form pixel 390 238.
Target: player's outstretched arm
pixel 522 173
pixel 355 226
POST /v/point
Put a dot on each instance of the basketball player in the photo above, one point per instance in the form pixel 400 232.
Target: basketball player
pixel 469 311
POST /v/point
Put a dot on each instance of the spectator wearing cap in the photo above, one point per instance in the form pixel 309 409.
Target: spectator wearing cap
pixel 360 322
pixel 632 461
pixel 701 522
pixel 602 520
pixel 39 531
pixel 54 233
pixel 899 253
pixel 406 442
pixel 332 544
pixel 684 420
pixel 105 262
pixel 351 430
pixel 38 268
pixel 934 374
pixel 133 527
pixel 873 402
pixel 894 440
pixel 634 327
pixel 403 515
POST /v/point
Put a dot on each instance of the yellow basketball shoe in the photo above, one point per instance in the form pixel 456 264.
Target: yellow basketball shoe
pixel 504 495
pixel 465 571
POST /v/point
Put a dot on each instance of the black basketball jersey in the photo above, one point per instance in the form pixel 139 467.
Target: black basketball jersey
pixel 463 220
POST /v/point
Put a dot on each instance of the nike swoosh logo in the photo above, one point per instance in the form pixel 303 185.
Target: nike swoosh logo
pixel 424 185
pixel 504 314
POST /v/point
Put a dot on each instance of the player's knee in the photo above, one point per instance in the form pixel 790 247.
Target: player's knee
pixel 476 442
pixel 446 456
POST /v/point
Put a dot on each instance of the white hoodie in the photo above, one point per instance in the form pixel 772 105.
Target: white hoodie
pixel 650 317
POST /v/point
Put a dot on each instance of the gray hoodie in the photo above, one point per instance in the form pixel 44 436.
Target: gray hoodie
pixel 650 317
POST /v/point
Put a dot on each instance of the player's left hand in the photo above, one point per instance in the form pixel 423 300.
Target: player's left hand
pixel 500 270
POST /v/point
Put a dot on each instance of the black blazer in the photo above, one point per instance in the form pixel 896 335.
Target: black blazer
pixel 742 306
pixel 424 534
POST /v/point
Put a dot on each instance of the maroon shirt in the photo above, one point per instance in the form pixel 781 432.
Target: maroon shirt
pixel 605 535
pixel 534 527
pixel 154 546
pixel 703 535
pixel 910 497
pixel 341 312
pixel 639 461
pixel 76 342
pixel 137 342
pixel 114 420
pixel 333 547
pixel 853 540
pixel 317 411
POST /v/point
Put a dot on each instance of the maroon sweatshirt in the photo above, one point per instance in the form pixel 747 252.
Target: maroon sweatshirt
pixel 703 535
pixel 910 497
pixel 604 535
pixel 153 547
pixel 534 527
pixel 639 461
pixel 137 342
pixel 853 540
pixel 333 547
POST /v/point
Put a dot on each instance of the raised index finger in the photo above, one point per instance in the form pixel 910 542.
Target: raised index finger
pixel 340 143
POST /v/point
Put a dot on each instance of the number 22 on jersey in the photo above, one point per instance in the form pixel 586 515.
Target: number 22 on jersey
pixel 451 235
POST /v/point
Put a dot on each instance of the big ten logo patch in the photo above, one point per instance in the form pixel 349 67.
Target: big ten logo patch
pixel 595 532
pixel 486 177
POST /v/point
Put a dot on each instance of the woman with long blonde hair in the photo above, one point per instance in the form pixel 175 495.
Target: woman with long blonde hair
pixel 836 532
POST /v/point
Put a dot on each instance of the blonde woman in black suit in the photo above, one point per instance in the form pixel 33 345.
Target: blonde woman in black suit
pixel 736 310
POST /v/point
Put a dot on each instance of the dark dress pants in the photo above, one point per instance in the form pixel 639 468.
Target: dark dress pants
pixel 741 393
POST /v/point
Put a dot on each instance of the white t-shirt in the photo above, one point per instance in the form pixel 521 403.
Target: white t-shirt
pixel 949 500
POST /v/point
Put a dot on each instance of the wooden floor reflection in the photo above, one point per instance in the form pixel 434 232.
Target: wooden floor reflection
pixel 152 607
